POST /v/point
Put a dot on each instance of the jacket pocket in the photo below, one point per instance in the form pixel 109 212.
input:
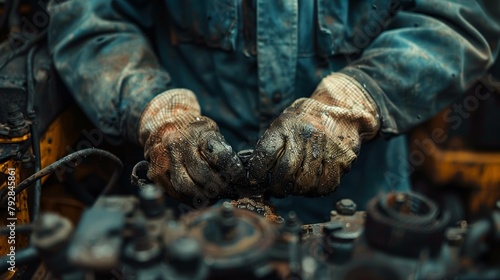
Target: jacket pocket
pixel 208 22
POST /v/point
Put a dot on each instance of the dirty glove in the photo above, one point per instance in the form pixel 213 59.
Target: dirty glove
pixel 308 148
pixel 187 155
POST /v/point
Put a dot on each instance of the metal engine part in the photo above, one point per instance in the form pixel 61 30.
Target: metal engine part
pixel 136 237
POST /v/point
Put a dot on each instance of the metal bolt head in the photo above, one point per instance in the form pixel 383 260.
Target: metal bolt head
pixel 346 207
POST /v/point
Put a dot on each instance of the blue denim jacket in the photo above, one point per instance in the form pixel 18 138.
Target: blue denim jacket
pixel 247 60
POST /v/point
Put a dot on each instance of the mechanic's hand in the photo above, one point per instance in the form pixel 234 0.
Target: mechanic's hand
pixel 187 155
pixel 313 143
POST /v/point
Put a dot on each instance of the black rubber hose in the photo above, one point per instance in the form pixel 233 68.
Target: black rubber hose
pixel 26 228
pixel 35 142
pixel 78 155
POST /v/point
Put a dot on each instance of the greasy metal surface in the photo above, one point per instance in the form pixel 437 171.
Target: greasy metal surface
pixel 249 243
pixel 404 223
pixel 352 225
pixel 98 241
pixel 240 243
pixel 258 206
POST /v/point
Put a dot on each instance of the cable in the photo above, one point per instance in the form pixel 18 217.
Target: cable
pixel 78 155
pixel 26 228
pixel 35 143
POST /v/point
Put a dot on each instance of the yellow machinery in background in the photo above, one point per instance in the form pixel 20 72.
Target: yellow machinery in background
pixel 458 151
pixel 15 144
pixel 17 158
pixel 38 123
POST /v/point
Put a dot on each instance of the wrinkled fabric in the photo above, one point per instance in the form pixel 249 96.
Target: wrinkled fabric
pixel 248 60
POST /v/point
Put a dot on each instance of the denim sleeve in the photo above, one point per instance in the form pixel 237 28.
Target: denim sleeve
pixel 426 58
pixel 101 53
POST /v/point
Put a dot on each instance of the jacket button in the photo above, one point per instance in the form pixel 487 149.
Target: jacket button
pixel 277 97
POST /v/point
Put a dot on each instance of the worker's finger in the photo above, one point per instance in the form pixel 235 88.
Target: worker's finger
pixel 287 166
pixel 208 180
pixel 267 152
pixel 308 176
pixel 335 164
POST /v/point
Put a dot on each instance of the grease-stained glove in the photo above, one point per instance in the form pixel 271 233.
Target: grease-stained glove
pixel 308 148
pixel 187 155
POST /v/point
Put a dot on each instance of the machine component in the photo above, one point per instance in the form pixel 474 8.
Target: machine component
pixel 186 260
pixel 15 156
pixel 346 207
pixel 479 234
pixel 400 236
pixel 137 235
pixel 142 252
pixel 151 201
pixel 253 200
pixel 51 236
pixel 258 206
pixel 51 232
pixel 405 224
pixel 17 125
pixel 231 239
pixel 98 241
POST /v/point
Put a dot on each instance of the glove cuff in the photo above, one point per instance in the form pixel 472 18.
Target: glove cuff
pixel 175 106
pixel 341 91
